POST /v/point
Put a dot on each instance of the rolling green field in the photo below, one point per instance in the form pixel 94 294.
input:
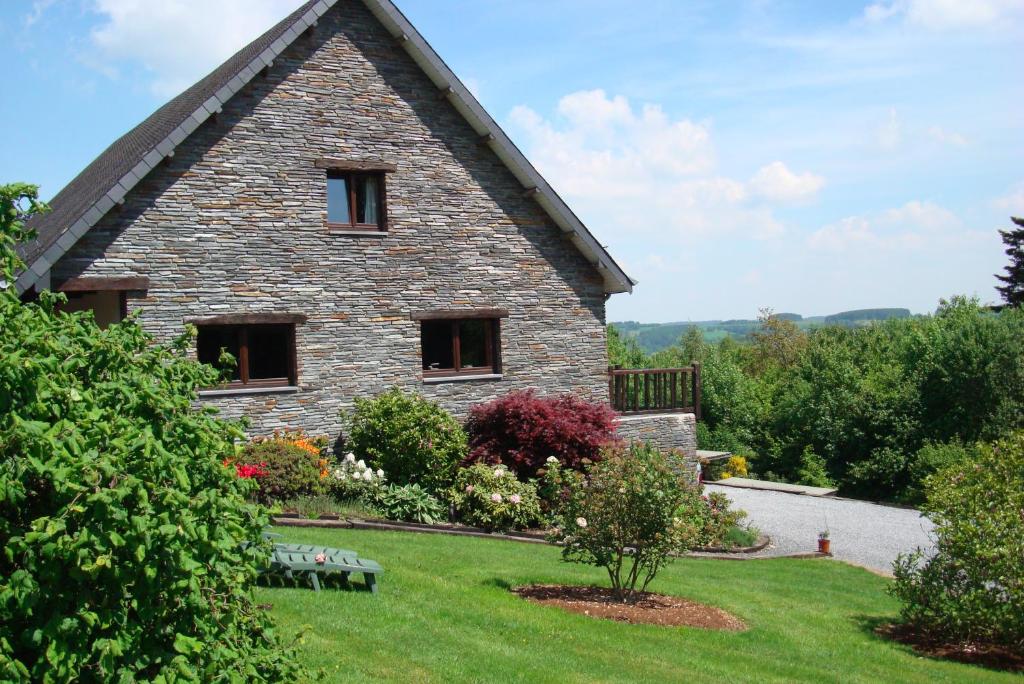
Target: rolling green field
pixel 444 614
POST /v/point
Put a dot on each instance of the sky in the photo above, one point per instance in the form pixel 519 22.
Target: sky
pixel 808 157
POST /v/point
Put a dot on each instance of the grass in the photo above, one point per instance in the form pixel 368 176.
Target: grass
pixel 444 614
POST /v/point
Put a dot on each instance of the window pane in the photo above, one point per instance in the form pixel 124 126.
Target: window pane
pixel 211 340
pixel 473 343
pixel 367 200
pixel 436 342
pixel 337 200
pixel 269 351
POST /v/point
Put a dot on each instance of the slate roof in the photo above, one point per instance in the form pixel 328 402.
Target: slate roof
pixel 105 181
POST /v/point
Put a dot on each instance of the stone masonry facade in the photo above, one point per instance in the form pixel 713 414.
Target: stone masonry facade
pixel 235 223
pixel 669 432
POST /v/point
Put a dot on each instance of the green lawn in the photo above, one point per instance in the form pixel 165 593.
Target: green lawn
pixel 444 614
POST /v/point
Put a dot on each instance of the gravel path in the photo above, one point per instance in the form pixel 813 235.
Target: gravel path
pixel 862 533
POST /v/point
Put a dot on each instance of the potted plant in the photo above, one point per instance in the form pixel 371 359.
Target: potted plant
pixel 823 542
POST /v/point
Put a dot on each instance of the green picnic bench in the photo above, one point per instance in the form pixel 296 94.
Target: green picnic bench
pixel 303 559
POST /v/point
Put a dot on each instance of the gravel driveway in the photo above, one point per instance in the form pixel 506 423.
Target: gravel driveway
pixel 863 533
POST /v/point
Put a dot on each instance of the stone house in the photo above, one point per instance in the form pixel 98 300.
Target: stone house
pixel 336 209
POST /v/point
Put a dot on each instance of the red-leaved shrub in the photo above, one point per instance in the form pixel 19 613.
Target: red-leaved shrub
pixel 522 430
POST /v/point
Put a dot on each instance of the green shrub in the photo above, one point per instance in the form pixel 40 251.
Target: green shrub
pixel 711 516
pixel 491 497
pixel 414 440
pixel 930 459
pixel 408 503
pixel 972 589
pixel 120 525
pixel 812 471
pixel 626 518
pixel 289 470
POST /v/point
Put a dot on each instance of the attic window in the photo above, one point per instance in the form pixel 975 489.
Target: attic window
pixel 355 201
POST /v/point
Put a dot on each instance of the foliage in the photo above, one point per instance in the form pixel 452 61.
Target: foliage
pixel 1012 289
pixel 972 589
pixel 855 406
pixel 491 497
pixel 521 430
pixel 121 527
pixel 290 468
pixel 736 466
pixel 711 516
pixel 778 343
pixel 352 479
pixel 408 503
pixel 414 440
pixel 312 507
pixel 626 518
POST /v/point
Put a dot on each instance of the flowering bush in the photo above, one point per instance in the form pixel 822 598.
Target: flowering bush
pixel 412 439
pixel 736 466
pixel 248 471
pixel 353 479
pixel 522 429
pixel 491 497
pixel 292 465
pixel 625 518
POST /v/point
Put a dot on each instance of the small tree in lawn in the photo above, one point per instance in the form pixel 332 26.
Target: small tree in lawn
pixel 1013 288
pixel 625 518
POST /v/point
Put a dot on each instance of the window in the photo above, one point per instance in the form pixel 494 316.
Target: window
pixel 265 353
pixel 355 201
pixel 107 306
pixel 459 347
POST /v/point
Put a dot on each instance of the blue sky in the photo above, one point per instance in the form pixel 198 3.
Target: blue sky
pixel 809 157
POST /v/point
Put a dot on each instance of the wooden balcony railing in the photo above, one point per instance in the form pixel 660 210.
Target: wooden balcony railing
pixel 655 390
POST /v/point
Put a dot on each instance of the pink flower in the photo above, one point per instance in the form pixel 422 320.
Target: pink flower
pixel 496 497
pixel 321 558
pixel 469 489
pixel 515 498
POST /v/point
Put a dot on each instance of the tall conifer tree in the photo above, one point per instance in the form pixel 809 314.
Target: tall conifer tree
pixel 1012 289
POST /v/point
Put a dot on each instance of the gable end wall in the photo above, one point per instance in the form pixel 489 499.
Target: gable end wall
pixel 234 223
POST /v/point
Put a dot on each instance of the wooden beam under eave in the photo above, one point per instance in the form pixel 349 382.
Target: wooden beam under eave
pixel 104 284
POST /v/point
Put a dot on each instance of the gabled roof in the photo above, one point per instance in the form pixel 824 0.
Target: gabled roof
pixel 105 182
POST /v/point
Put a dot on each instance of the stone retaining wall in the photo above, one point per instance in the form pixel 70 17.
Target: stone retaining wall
pixel 667 431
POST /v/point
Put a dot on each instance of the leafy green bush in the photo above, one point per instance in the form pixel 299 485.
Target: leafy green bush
pixel 120 525
pixel 414 440
pixel 813 471
pixel 491 497
pixel 289 470
pixel 972 589
pixel 408 503
pixel 930 459
pixel 626 518
pixel 711 515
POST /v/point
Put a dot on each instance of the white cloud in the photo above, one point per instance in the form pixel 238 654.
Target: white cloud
pixel 776 182
pixel 627 168
pixel 179 41
pixel 912 226
pixel 39 8
pixel 941 135
pixel 945 14
pixel 890 134
pixel 1013 201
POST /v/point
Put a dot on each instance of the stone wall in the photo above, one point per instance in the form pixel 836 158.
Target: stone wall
pixel 235 222
pixel 667 431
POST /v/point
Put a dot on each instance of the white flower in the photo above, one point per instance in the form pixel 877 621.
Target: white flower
pixel 367 475
pixel 350 458
pixel 581 522
pixel 339 475
pixel 498 472
pixel 380 473
pixel 361 464
pixel 551 459
pixel 496 497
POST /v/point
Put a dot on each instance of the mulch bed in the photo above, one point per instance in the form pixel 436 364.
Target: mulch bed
pixel 651 609
pixel 996 657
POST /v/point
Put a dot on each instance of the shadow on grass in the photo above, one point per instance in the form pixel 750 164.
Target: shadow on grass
pixel 332 582
pixel 907 638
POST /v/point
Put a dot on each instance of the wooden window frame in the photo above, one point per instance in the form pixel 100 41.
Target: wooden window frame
pixel 492 348
pixel 350 178
pixel 244 381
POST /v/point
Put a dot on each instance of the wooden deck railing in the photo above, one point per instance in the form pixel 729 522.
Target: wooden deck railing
pixel 655 390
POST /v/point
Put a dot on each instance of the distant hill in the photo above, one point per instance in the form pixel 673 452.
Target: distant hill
pixel 653 337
